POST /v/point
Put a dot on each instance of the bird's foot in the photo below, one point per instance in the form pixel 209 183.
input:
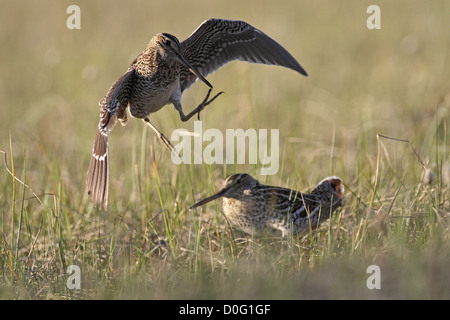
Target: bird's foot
pixel 199 108
pixel 162 137
pixel 206 102
pixel 168 144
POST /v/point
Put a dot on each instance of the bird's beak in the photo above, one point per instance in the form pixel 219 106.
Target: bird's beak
pixel 215 196
pixel 193 70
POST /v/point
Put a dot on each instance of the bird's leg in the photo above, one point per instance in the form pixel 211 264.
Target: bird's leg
pixel 199 108
pixel 161 136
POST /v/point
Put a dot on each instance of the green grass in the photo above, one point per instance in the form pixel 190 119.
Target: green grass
pixel 365 88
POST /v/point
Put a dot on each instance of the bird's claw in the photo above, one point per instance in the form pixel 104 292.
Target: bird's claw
pixel 206 102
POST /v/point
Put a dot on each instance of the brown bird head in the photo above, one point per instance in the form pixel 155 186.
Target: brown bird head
pixel 234 186
pixel 170 48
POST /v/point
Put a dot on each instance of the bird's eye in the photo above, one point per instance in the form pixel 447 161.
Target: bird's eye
pixel 167 42
pixel 238 181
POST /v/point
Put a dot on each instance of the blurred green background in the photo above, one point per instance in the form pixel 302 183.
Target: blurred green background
pixel 393 81
pixel 388 81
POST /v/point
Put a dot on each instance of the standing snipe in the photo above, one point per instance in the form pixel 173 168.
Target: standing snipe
pixel 166 68
pixel 259 209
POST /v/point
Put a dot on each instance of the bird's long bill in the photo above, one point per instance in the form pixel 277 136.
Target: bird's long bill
pixel 193 70
pixel 210 198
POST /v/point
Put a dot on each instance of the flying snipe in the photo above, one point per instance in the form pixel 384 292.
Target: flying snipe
pixel 166 68
pixel 258 209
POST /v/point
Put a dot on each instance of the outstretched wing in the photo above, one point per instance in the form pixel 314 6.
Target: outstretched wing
pixel 218 41
pixel 114 104
pixel 112 107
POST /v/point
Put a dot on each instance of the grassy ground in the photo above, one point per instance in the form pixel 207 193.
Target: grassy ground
pixel 365 87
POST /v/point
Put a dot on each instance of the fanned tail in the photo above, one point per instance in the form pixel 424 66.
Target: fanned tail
pixel 98 174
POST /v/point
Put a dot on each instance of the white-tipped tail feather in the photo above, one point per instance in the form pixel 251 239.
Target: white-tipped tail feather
pixel 98 173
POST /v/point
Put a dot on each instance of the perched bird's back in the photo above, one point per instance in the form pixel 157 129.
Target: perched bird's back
pixel 259 209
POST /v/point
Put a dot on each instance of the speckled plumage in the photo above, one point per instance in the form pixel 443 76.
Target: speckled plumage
pixel 258 209
pixel 166 68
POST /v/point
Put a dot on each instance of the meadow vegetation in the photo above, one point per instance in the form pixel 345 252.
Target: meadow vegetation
pixel 374 111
